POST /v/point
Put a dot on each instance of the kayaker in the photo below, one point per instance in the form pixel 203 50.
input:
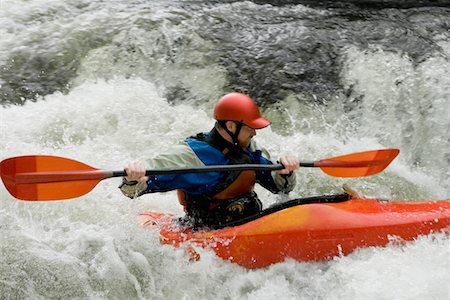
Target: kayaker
pixel 218 197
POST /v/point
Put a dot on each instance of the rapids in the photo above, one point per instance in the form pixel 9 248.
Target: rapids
pixel 110 82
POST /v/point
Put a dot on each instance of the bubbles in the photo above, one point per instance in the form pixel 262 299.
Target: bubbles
pixel 402 104
pixel 397 271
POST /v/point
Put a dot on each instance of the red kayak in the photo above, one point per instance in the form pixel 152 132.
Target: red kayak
pixel 309 229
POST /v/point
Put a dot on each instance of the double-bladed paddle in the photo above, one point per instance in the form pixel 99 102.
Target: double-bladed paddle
pixel 43 177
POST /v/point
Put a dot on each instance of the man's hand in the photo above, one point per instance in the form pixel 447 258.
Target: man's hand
pixel 136 172
pixel 290 163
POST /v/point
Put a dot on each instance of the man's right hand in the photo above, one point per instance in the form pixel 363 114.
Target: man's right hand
pixel 136 171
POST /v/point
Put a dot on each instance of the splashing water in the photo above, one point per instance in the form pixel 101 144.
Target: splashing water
pixel 115 102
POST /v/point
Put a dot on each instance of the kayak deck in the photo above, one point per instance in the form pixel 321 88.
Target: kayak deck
pixel 310 232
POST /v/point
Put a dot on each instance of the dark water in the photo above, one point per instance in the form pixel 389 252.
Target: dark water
pixel 364 3
pixel 268 51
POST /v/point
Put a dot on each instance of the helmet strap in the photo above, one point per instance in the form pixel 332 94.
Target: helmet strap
pixel 234 136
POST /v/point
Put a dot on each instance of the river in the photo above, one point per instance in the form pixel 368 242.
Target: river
pixel 108 82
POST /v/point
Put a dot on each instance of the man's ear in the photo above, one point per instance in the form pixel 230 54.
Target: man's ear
pixel 231 126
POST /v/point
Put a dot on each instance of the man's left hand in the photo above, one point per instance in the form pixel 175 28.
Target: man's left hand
pixel 290 163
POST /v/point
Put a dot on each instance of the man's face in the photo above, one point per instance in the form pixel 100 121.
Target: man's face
pixel 245 136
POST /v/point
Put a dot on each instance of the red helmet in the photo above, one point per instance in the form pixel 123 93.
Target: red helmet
pixel 241 108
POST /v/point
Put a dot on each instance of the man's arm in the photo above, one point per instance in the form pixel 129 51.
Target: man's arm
pixel 137 184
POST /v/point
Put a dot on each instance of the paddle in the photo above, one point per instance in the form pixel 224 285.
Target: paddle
pixel 42 177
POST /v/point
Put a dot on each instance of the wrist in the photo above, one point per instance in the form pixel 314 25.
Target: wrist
pixel 125 181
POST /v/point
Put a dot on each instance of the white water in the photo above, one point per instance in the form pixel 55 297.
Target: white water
pixel 94 248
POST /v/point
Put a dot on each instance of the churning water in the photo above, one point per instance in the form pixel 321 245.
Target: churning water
pixel 106 83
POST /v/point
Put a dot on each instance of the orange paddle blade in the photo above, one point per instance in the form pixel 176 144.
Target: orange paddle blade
pixel 39 177
pixel 358 164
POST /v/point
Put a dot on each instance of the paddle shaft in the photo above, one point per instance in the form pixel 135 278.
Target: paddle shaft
pixel 252 167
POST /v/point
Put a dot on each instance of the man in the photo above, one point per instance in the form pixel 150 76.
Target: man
pixel 217 198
